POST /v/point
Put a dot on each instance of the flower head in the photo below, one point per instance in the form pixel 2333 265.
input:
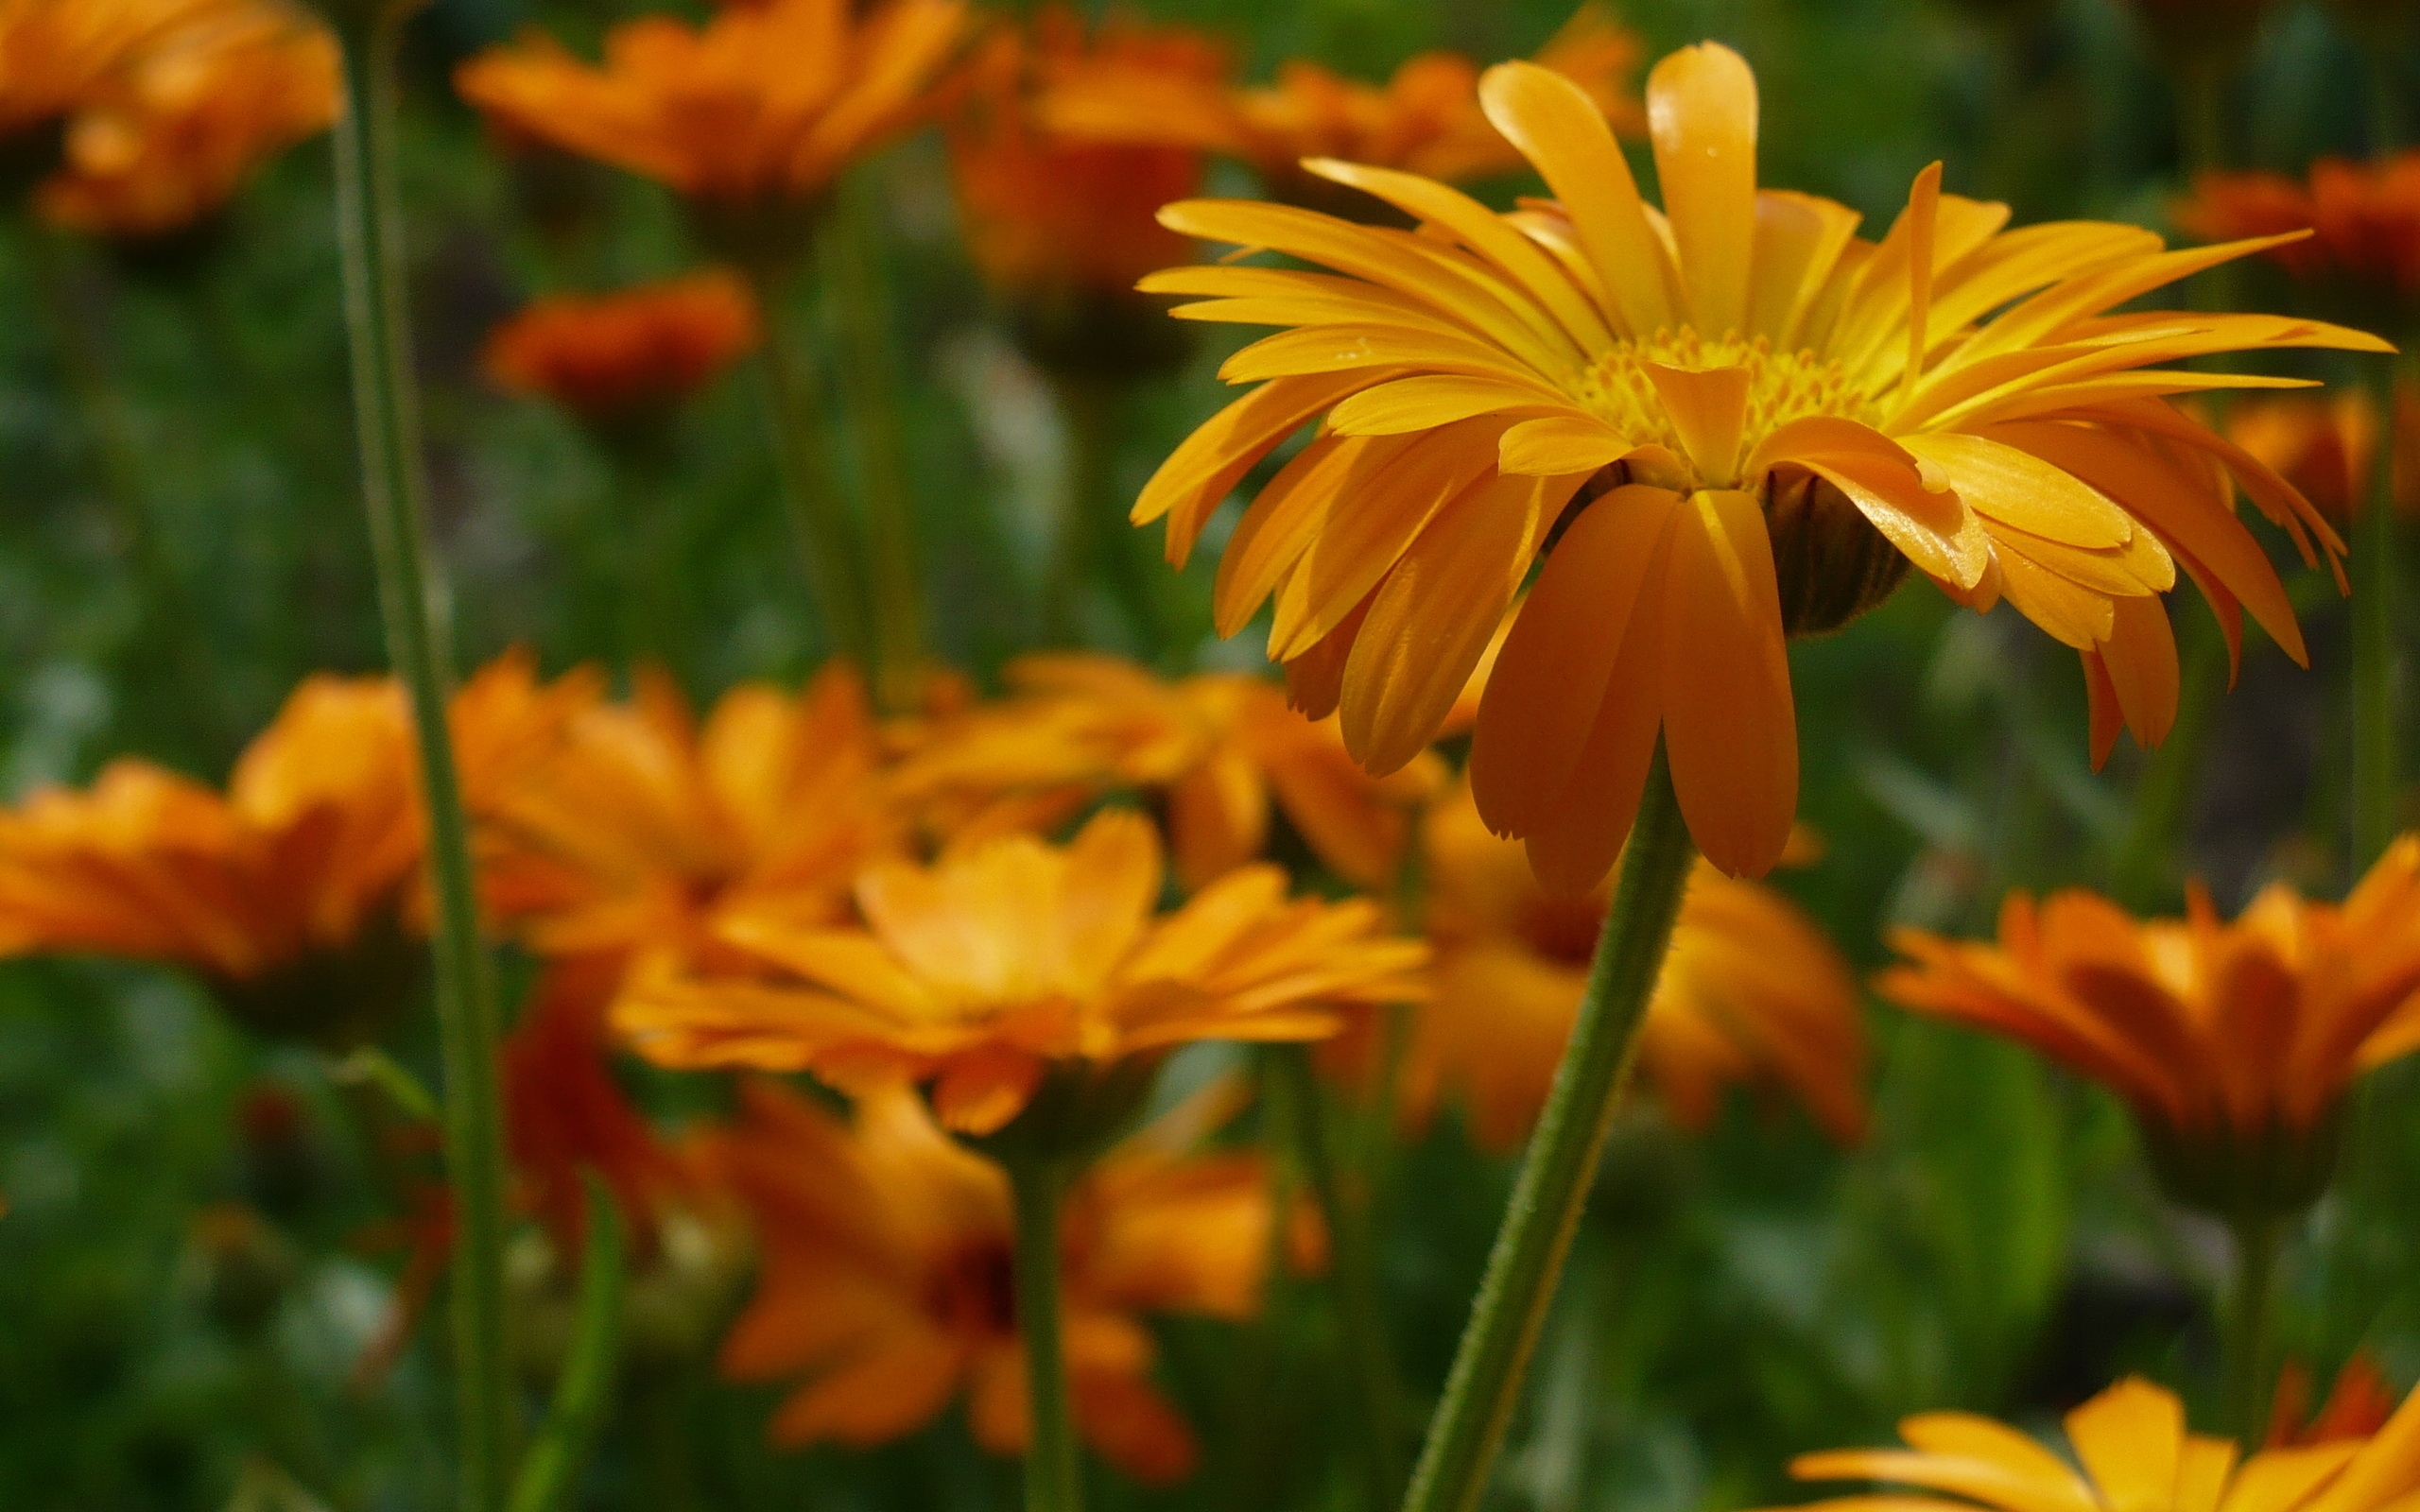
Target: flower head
pixel 1750 993
pixel 616 358
pixel 54 53
pixel 886 1277
pixel 1731 421
pixel 761 108
pixel 2364 217
pixel 2233 1042
pixel 1425 120
pixel 2132 1451
pixel 173 133
pixel 1009 960
pixel 2328 446
pixel 1219 748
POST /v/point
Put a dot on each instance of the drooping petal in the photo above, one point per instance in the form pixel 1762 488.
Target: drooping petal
pixel 1729 720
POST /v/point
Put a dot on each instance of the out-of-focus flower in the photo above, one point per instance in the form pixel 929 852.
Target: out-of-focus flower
pixel 1426 119
pixel 617 359
pixel 2132 1451
pixel 1219 748
pixel 168 137
pixel 2327 447
pixel 54 53
pixel 290 894
pixel 1061 226
pixel 1750 993
pixel 639 829
pixel 2365 219
pixel 886 1277
pixel 751 116
pixel 2359 1404
pixel 1009 962
pixel 1593 375
pixel 2233 1043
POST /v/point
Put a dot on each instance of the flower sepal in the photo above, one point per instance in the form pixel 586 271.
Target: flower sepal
pixel 1080 1108
pixel 333 999
pixel 2275 1172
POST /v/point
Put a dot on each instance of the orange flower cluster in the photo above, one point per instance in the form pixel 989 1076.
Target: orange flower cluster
pixel 2327 447
pixel 2365 219
pixel 619 358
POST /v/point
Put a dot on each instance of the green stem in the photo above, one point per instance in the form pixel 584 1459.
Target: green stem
pixel 826 540
pixel 860 299
pixel 411 600
pixel 1092 529
pixel 2372 612
pixel 1353 1271
pixel 1053 1473
pixel 1485 1384
pixel 2146 873
pixel 585 1389
pixel 2248 1323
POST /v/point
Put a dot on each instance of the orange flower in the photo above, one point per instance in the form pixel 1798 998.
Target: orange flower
pixel 2326 447
pixel 2359 1404
pixel 2364 217
pixel 2130 1451
pixel 289 895
pixel 761 108
pixel 1218 746
pixel 54 53
pixel 2233 1043
pixel 1750 993
pixel 1009 961
pixel 615 358
pixel 1426 119
pixel 886 1277
pixel 172 136
pixel 640 830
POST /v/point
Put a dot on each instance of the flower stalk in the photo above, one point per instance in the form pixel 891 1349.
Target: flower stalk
pixel 1053 1473
pixel 826 540
pixel 1091 536
pixel 1518 1288
pixel 2258 1237
pixel 412 603
pixel 2372 611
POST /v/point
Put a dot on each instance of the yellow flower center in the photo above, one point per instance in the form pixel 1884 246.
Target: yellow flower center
pixel 1781 388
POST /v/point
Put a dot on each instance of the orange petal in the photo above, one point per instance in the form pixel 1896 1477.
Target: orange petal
pixel 1702 113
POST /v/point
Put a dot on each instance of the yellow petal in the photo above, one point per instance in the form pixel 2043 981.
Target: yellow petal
pixel 1702 114
pixel 2130 1438
pixel 1553 445
pixel 1709 407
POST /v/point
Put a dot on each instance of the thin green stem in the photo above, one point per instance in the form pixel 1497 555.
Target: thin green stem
pixel 412 603
pixel 2247 1326
pixel 1354 1273
pixel 1053 1473
pixel 826 539
pixel 552 1467
pixel 1518 1288
pixel 860 299
pixel 2372 612
pixel 1092 529
pixel 2146 873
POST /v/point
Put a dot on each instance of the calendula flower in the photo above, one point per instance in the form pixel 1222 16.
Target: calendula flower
pixel 1061 226
pixel 288 895
pixel 2364 217
pixel 1425 120
pixel 1745 429
pixel 2327 447
pixel 639 829
pixel 2359 1404
pixel 619 359
pixel 753 114
pixel 54 53
pixel 171 136
pixel 1218 747
pixel 886 1280
pixel 1750 993
pixel 2131 1450
pixel 2233 1042
pixel 1008 960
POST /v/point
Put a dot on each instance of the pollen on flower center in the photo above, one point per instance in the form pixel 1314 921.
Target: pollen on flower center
pixel 1781 388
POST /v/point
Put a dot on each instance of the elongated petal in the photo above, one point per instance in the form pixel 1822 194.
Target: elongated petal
pixel 1702 114
pixel 1729 720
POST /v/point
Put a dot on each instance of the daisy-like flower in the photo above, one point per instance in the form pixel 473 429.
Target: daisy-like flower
pixel 619 359
pixel 2327 447
pixel 1424 120
pixel 1061 226
pixel 1009 961
pixel 2132 1451
pixel 1731 421
pixel 639 829
pixel 1218 747
pixel 1750 993
pixel 289 895
pixel 751 116
pixel 169 137
pixel 2234 1044
pixel 2363 219
pixel 886 1279
pixel 54 53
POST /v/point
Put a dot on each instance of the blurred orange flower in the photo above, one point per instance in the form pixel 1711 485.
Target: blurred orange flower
pixel 171 135
pixel 54 53
pixel 764 105
pixel 2327 447
pixel 1426 119
pixel 886 1277
pixel 2132 1451
pixel 1752 992
pixel 639 829
pixel 1009 960
pixel 2232 1042
pixel 2359 1404
pixel 2365 217
pixel 1220 746
pixel 615 358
